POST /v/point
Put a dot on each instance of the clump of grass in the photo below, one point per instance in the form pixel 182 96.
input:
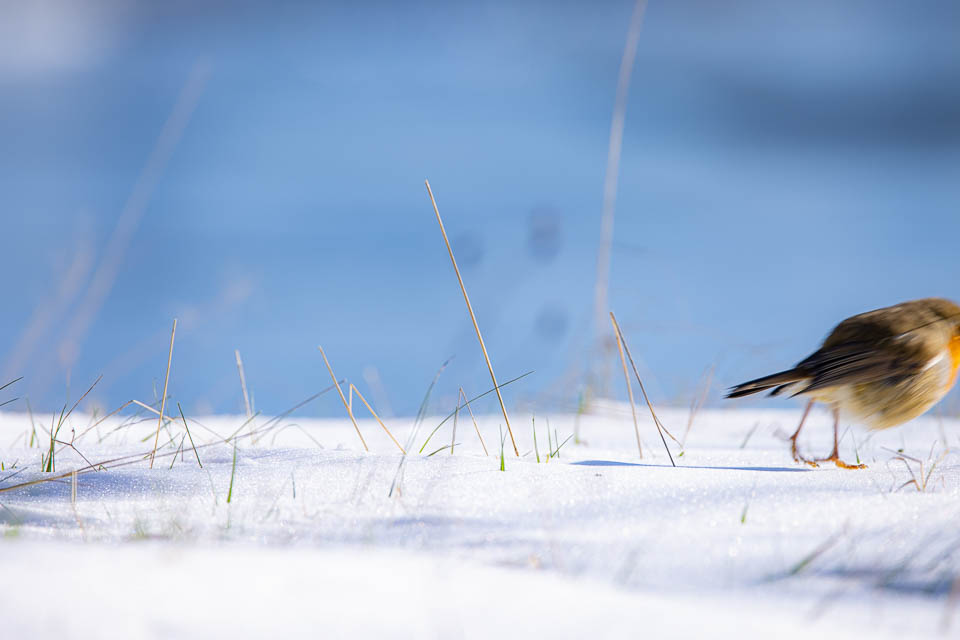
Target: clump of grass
pixel 137 458
pixel 503 441
pixel 467 403
pixel 47 462
pixel 555 453
pixel 921 479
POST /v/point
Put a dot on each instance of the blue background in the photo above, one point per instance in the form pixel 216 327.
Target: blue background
pixel 784 165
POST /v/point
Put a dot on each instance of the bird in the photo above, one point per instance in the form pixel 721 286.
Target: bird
pixel 881 368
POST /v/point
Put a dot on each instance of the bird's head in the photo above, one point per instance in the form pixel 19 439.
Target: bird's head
pixel 946 310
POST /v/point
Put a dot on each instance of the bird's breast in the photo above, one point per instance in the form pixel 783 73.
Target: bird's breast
pixel 954 360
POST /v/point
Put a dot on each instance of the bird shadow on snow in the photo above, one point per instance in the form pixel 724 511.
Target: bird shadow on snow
pixel 615 463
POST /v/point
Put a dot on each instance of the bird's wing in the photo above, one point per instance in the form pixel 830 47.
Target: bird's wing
pixel 859 362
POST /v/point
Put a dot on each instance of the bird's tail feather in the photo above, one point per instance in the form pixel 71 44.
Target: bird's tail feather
pixel 778 382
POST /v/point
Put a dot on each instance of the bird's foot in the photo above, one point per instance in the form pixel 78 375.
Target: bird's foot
pixel 835 459
pixel 795 452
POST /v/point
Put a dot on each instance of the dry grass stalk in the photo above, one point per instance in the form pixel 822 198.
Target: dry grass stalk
pixel 137 458
pixel 179 452
pixel 453 434
pixel 470 401
pixel 697 403
pixel 473 317
pixel 353 390
pixel 192 444
pixel 111 263
pixel 101 420
pixel 62 421
pixel 343 398
pixel 155 412
pixel 626 378
pixel 4 386
pixel 660 428
pixel 920 480
pixel 76 404
pixel 163 398
pixel 243 383
pixel 610 183
pixel 463 396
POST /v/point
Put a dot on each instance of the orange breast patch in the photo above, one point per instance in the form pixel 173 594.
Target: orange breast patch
pixel 954 359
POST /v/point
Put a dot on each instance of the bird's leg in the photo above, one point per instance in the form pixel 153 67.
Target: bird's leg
pixel 793 439
pixel 834 456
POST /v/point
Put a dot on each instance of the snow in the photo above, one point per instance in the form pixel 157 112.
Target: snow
pixel 738 540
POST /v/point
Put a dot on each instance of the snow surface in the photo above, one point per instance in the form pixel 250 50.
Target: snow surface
pixel 737 541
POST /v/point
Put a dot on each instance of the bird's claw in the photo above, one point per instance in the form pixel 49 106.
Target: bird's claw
pixel 835 459
pixel 796 454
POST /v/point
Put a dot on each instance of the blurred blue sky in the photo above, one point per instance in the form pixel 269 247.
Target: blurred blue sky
pixel 785 165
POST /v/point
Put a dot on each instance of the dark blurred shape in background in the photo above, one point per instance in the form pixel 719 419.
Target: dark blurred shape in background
pixel 552 322
pixel 468 248
pixel 256 169
pixel 544 239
